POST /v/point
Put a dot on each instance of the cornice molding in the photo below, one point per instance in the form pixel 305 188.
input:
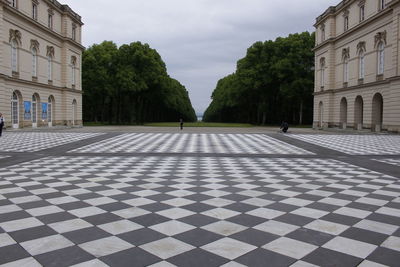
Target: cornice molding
pixel 353 29
pixel 44 28
pixel 44 85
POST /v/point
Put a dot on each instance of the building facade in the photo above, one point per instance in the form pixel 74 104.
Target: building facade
pixel 357 79
pixel 40 64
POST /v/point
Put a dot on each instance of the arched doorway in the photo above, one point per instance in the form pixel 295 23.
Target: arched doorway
pixel 343 113
pixel 50 110
pixel 321 115
pixel 74 112
pixel 358 113
pixel 35 109
pixel 377 112
pixel 15 110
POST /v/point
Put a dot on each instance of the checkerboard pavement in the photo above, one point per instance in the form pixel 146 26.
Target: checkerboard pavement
pixel 192 143
pixel 197 211
pixel 36 141
pixel 355 144
pixel 395 162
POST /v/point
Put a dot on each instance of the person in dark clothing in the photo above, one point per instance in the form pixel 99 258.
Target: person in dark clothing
pixel 181 122
pixel 1 123
pixel 284 127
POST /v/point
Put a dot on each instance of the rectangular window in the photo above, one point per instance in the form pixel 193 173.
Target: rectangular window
pixel 50 21
pixel 74 33
pixel 346 23
pixel 323 34
pixel 362 13
pixel 14 3
pixel 381 4
pixel 34 11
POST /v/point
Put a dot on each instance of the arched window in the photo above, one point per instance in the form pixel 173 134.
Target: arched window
pixel 49 111
pixel 14 56
pixel 346 69
pixel 73 71
pixel 34 111
pixel 361 65
pixel 49 67
pixel 322 63
pixel 15 110
pixel 381 4
pixel 34 62
pixel 381 58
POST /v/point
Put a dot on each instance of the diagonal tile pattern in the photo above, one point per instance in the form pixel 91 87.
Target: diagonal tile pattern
pixel 36 141
pixel 355 144
pixel 192 143
pixel 197 211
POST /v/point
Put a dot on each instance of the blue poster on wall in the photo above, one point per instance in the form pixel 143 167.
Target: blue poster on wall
pixel 44 111
pixel 27 111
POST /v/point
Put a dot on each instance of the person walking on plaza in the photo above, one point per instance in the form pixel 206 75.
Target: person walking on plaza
pixel 181 122
pixel 1 123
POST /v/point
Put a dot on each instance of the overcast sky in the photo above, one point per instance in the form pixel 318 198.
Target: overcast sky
pixel 199 40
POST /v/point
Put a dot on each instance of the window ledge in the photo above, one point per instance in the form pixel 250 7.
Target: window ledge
pixel 15 74
pixel 34 79
pixel 379 77
pixel 50 82
pixel 345 84
pixel 360 81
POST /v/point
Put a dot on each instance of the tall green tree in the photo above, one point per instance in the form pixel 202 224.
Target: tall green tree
pixel 273 82
pixel 130 84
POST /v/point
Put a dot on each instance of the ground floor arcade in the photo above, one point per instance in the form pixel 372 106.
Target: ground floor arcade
pixel 374 107
pixel 29 105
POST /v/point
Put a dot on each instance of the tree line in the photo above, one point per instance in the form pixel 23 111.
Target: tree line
pixel 130 85
pixel 274 82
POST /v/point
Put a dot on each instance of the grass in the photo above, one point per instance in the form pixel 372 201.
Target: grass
pixel 198 124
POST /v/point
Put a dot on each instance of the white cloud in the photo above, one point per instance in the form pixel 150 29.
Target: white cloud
pixel 199 40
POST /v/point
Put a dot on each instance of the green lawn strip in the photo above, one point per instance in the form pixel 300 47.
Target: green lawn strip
pixel 198 124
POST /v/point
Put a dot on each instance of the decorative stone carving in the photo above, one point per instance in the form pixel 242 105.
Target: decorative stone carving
pixel 361 3
pixel 36 2
pixel 322 62
pixel 50 51
pixel 73 60
pixel 15 35
pixel 380 37
pixel 51 11
pixel 346 13
pixel 346 53
pixel 35 44
pixel 361 47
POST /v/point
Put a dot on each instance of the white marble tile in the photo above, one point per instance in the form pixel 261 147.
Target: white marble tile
pixel 167 247
pixel 327 227
pixel 275 227
pixel 228 248
pixel 224 228
pixel 119 227
pixel 70 225
pixel 106 246
pixel 351 247
pixel 46 244
pixel 172 227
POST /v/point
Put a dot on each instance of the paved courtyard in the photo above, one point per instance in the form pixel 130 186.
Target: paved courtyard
pixel 214 198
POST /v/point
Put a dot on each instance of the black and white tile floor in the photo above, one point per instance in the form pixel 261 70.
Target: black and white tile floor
pixel 193 143
pixel 36 141
pixel 355 144
pixel 180 210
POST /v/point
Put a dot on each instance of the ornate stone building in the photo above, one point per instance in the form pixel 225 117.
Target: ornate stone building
pixel 357 66
pixel 40 63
